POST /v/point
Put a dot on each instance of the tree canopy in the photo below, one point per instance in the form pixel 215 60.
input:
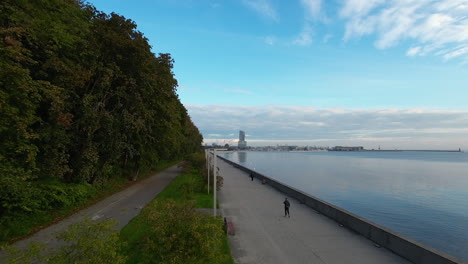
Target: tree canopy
pixel 82 99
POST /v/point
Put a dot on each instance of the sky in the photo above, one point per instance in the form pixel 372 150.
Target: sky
pixel 366 73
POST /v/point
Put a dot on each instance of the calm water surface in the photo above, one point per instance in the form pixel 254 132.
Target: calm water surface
pixel 422 195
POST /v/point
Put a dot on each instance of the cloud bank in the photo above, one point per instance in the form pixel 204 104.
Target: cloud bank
pixel 263 7
pixel 428 27
pixel 438 27
pixel 390 128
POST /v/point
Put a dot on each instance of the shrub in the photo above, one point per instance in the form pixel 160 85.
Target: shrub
pixel 17 196
pixel 177 234
pixel 85 243
pixel 57 195
pixel 197 160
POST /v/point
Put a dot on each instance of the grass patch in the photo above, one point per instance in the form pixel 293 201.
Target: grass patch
pixel 188 186
pixel 168 225
pixel 227 250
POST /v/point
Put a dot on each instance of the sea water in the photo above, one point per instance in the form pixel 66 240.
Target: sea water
pixel 421 195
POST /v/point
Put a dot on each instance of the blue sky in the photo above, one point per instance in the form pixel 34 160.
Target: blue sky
pixel 312 72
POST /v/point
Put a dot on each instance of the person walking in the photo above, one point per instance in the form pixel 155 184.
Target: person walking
pixel 251 176
pixel 286 207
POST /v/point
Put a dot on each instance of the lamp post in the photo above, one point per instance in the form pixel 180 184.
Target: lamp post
pixel 208 157
pixel 215 173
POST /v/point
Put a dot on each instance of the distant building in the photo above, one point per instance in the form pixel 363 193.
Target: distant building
pixel 341 148
pixel 242 144
pixel 286 148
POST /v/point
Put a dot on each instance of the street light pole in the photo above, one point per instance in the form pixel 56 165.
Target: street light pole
pixel 215 173
pixel 208 157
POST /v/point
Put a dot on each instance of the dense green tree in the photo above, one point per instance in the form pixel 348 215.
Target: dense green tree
pixel 82 99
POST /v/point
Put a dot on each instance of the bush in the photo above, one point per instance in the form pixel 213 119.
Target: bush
pixel 58 195
pixel 17 196
pixel 85 243
pixel 22 196
pixel 197 160
pixel 24 205
pixel 177 234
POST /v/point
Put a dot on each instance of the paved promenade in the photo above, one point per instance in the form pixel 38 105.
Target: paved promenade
pixel 264 235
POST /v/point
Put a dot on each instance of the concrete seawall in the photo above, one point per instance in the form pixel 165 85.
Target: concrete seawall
pixel 411 250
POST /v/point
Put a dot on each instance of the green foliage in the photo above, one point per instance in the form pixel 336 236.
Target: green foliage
pixel 197 160
pixel 32 254
pixel 83 100
pixel 30 203
pixel 175 233
pixel 26 197
pixel 188 186
pixel 89 242
pixel 17 195
pixel 61 195
pixel 227 250
pixel 187 236
pixel 169 230
pixel 85 242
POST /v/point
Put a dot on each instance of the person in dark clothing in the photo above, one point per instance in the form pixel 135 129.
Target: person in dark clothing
pixel 251 176
pixel 286 207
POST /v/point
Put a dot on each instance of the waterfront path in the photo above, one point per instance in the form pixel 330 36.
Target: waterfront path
pixel 264 235
pixel 122 207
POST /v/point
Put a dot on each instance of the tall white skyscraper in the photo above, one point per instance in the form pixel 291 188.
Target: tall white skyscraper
pixel 242 144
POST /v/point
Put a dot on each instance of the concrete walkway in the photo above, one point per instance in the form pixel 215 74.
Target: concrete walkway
pixel 264 235
pixel 122 206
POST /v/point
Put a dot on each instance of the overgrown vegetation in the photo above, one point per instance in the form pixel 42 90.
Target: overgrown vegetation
pixel 17 225
pixel 169 230
pixel 188 187
pixel 83 243
pixel 84 101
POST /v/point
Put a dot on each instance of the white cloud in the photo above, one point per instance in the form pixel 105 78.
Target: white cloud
pixel 313 8
pixel 438 27
pixel 263 7
pixel 308 123
pixel 359 7
pixel 305 37
pixel 313 12
pixel 456 52
pixel 413 51
pixel 430 127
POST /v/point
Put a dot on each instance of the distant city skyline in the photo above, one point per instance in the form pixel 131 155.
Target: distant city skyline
pixel 390 73
pixel 371 128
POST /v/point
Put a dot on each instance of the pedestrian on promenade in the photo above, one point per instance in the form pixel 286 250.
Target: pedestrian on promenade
pixel 251 176
pixel 286 208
